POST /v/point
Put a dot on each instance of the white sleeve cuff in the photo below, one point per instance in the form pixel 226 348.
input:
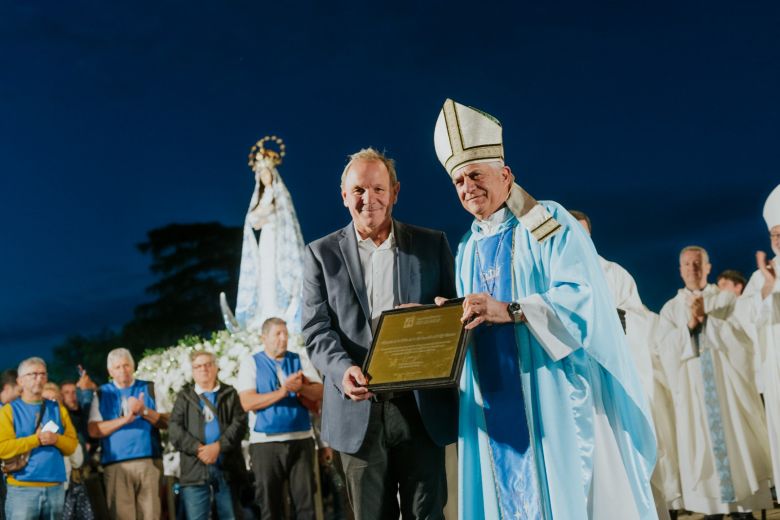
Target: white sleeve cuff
pixel 547 328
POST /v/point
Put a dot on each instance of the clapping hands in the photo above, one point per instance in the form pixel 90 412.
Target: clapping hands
pixel 697 312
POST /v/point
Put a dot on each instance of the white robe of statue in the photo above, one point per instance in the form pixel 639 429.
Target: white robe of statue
pixel 764 313
pixel 271 278
pixel 640 326
pixel 721 434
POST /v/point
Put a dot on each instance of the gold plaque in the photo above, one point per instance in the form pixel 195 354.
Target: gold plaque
pixel 416 348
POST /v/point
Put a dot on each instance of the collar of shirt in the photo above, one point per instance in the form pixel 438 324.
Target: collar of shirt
pixel 492 224
pixel 369 245
pixel 199 390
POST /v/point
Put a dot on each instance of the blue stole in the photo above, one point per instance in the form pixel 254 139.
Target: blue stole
pixel 715 423
pixel 497 361
pixel 46 463
pixel 287 415
pixel 136 440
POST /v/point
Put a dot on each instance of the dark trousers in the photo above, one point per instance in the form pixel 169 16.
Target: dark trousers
pixel 273 463
pixel 397 458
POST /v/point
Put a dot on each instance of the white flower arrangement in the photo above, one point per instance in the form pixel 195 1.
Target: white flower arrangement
pixel 170 369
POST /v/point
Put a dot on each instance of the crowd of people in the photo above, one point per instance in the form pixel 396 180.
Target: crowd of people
pixel 52 435
pixel 575 400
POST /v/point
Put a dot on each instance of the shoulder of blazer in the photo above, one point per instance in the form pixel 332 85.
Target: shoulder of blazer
pixel 330 239
pixel 411 229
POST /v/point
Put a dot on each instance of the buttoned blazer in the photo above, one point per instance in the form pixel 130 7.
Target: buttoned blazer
pixel 336 324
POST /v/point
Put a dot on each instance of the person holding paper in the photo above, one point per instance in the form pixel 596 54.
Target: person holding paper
pixel 553 419
pixel 41 429
pixel 391 445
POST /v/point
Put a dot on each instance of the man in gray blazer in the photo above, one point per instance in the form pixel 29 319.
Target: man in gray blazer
pixel 391 445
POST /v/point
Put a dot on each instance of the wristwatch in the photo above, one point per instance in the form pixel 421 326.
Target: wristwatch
pixel 515 312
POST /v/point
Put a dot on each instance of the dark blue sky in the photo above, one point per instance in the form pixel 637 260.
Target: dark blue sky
pixel 659 120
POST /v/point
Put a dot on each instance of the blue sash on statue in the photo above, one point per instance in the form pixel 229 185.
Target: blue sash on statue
pixel 497 361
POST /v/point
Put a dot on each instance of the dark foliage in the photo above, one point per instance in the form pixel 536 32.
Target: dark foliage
pixel 192 263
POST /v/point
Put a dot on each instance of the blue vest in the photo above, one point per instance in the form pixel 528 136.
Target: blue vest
pixel 46 463
pixel 287 415
pixel 136 440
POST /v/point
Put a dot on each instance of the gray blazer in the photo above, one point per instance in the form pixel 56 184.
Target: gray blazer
pixel 337 324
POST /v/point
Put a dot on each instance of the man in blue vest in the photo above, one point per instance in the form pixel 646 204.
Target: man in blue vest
pixel 42 430
pixel 270 386
pixel 124 417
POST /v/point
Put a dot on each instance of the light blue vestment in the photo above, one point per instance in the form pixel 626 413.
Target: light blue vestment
pixel 577 376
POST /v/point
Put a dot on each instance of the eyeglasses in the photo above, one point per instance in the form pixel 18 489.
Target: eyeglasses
pixel 774 236
pixel 200 366
pixel 34 374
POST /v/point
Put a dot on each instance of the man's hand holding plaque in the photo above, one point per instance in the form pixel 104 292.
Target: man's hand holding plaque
pixel 354 384
pixel 416 347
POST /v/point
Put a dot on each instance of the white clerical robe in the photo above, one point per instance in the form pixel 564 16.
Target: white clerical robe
pixel 764 315
pixel 721 434
pixel 640 326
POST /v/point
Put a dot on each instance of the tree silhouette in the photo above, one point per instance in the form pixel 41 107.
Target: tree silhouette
pixel 193 263
pixel 87 351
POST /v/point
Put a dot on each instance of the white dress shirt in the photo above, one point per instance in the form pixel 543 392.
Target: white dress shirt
pixel 378 265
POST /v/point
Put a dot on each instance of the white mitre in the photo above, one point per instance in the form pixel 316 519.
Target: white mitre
pixel 464 135
pixel 772 208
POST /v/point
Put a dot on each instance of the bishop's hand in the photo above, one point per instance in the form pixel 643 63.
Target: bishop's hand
pixel 481 308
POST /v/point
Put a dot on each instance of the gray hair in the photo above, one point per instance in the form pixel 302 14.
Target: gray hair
pixel 697 249
pixel 270 322
pixel 197 353
pixel 117 354
pixel 28 362
pixel 370 154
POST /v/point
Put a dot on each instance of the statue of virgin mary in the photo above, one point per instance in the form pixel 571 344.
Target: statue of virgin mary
pixel 271 275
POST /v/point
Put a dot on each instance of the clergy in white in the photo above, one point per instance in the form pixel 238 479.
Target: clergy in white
pixel 721 434
pixel 553 420
pixel 761 298
pixel 640 324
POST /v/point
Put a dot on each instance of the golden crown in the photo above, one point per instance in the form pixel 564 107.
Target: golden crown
pixel 259 150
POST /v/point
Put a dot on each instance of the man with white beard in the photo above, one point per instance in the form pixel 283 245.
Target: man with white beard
pixel 761 300
pixel 639 324
pixel 721 435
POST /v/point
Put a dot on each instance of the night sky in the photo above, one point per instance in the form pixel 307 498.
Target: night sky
pixel 659 120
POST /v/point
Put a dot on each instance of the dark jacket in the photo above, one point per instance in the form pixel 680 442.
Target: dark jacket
pixel 186 430
pixel 337 324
